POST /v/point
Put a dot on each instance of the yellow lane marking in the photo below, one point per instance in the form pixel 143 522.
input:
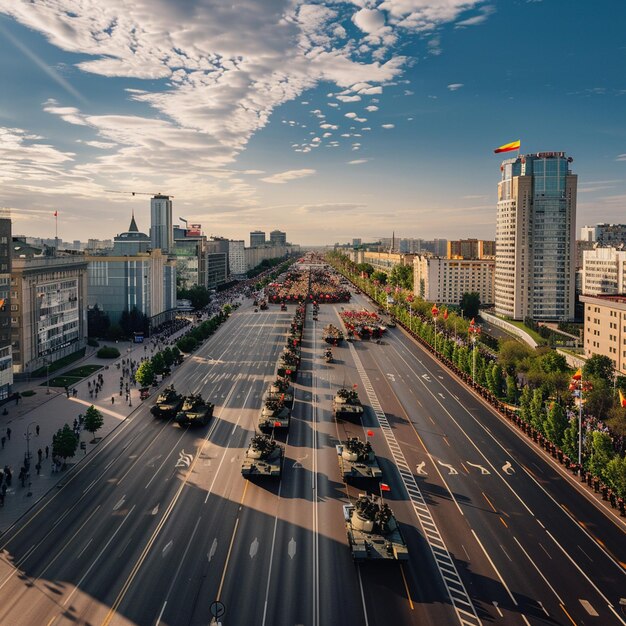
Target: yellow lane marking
pixel 568 615
pixel 505 524
pixel 406 586
pixel 489 502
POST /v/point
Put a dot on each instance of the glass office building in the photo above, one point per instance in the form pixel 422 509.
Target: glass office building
pixel 535 237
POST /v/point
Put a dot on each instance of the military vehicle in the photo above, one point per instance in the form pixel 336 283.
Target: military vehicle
pixel 195 411
pixel 168 403
pixel 373 532
pixel 288 364
pixel 346 404
pixel 274 414
pixel 357 459
pixel 333 335
pixel 263 457
pixel 328 355
pixel 281 390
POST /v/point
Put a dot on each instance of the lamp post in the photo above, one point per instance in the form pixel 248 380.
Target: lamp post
pixel 27 435
pixel 474 331
pixel 578 386
pixel 435 314
pixel 410 299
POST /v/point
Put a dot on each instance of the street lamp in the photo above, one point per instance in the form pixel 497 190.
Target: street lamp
pixel 578 386
pixel 474 331
pixel 410 299
pixel 27 435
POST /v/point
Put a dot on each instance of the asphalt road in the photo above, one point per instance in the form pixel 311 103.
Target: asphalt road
pixel 158 523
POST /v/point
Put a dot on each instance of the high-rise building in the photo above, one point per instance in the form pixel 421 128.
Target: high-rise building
pixel 237 257
pixel 132 241
pixel 278 238
pixel 161 227
pixel 535 233
pixel 605 234
pixel 604 271
pixel 257 239
pixel 471 249
pixel 6 359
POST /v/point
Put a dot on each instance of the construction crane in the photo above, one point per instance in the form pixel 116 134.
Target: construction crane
pixel 137 193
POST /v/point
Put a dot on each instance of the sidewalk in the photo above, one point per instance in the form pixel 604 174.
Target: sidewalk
pixel 50 411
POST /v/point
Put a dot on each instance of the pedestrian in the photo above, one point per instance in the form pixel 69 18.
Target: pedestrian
pixel 8 433
pixel 3 440
pixel 47 451
pixel 75 423
pixel 40 454
pixel 4 489
pixel 38 468
pixel 37 429
pixel 112 399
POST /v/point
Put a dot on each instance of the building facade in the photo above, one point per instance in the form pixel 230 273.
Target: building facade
pixel 444 280
pixel 237 257
pixel 161 226
pixel 471 249
pixel 605 234
pixel 189 250
pixel 535 231
pixel 145 281
pixel 278 238
pixel 6 359
pixel 386 261
pixel 257 239
pixel 132 241
pixel 605 328
pixel 48 309
pixel 604 271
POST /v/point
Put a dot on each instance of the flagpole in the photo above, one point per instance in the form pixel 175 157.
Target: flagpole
pixel 56 232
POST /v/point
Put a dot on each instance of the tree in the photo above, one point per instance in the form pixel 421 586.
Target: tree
pixel 365 268
pixel 93 420
pixel 598 401
pixel 381 277
pixel 553 362
pixel 615 474
pixel 537 413
pixel 98 322
pixel 599 366
pixel 511 389
pixel 402 276
pixel 168 357
pixel 470 303
pixel 569 444
pixel 187 344
pixel 601 453
pixel 556 423
pixel 145 374
pixel 64 443
pixel 158 363
pixel 512 353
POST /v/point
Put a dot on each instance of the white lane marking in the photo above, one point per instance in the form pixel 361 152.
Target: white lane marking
pixel 584 553
pixel 543 608
pixel 254 548
pixel 483 470
pixel 153 460
pixel 459 597
pixel 495 569
pixel 119 503
pixel 291 548
pixel 358 569
pixel 497 608
pixel 212 551
pixel 587 606
pixel 86 546
pixel 451 470
pixel 155 510
pixel 508 469
pixel 167 548
pixel 419 468
pixel 539 571
pixel 440 394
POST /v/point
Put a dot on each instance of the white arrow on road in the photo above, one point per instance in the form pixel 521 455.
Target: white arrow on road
pixel 483 470
pixel 420 468
pixel 508 469
pixel 211 553
pixel 254 548
pixel 153 460
pixel 119 504
pixel 426 377
pixel 167 548
pixel 291 548
pixel 184 459
pixel 155 510
pixel 451 471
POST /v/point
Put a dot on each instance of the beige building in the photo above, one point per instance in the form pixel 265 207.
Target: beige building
pixel 605 328
pixel 471 249
pixel 386 261
pixel 48 309
pixel 604 271
pixel 445 281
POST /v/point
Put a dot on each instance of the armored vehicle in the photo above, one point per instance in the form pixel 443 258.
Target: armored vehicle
pixel 195 411
pixel 357 459
pixel 275 414
pixel 168 403
pixel 333 335
pixel 263 457
pixel 288 364
pixel 373 532
pixel 281 390
pixel 346 404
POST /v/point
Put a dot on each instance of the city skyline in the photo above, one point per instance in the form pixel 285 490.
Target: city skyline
pixel 329 121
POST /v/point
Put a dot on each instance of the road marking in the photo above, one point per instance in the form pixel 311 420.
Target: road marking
pixel 212 551
pixel 543 608
pixel 184 459
pixel 505 524
pixel 459 597
pixel 497 608
pixel 489 502
pixel 86 546
pixel 358 569
pixel 568 615
pixel 406 586
pixel 587 606
pixel 167 548
pixel 291 548
pixel 495 569
pixel 508 469
pixel 451 470
pixel 119 503
pixel 419 468
pixel 483 470
pixel 254 548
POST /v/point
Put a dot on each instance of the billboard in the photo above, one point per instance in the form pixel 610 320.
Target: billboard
pixel 194 230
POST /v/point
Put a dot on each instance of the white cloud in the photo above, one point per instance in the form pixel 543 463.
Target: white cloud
pixel 351 115
pixel 371 108
pixel 349 98
pixel 455 86
pixel 369 20
pixel 387 126
pixel 284 177
pixel 358 161
pixel 361 120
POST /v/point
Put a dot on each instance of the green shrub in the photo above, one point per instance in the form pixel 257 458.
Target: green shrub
pixel 108 352
pixel 93 343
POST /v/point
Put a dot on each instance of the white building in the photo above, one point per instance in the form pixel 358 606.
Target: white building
pixel 237 257
pixel 444 280
pixel 604 271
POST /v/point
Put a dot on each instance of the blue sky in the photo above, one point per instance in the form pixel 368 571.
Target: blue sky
pixel 330 120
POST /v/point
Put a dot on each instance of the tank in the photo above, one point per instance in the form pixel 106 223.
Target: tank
pixel 288 364
pixel 168 403
pixel 346 404
pixel 263 457
pixel 332 335
pixel 195 411
pixel 357 459
pixel 373 532
pixel 274 414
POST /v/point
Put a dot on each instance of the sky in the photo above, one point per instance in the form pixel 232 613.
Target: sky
pixel 328 120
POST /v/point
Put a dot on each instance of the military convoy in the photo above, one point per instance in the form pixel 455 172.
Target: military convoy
pixel 168 403
pixel 357 459
pixel 195 411
pixel 373 532
pixel 346 404
pixel 333 335
pixel 263 457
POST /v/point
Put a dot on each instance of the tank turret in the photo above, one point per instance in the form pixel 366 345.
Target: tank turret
pixel 195 411
pixel 357 459
pixel 168 403
pixel 263 457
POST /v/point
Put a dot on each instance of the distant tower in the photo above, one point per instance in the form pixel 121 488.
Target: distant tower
pixel 161 227
pixel 257 238
pixel 535 235
pixel 393 241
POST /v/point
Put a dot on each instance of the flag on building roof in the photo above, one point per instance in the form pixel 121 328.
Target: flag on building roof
pixel 508 147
